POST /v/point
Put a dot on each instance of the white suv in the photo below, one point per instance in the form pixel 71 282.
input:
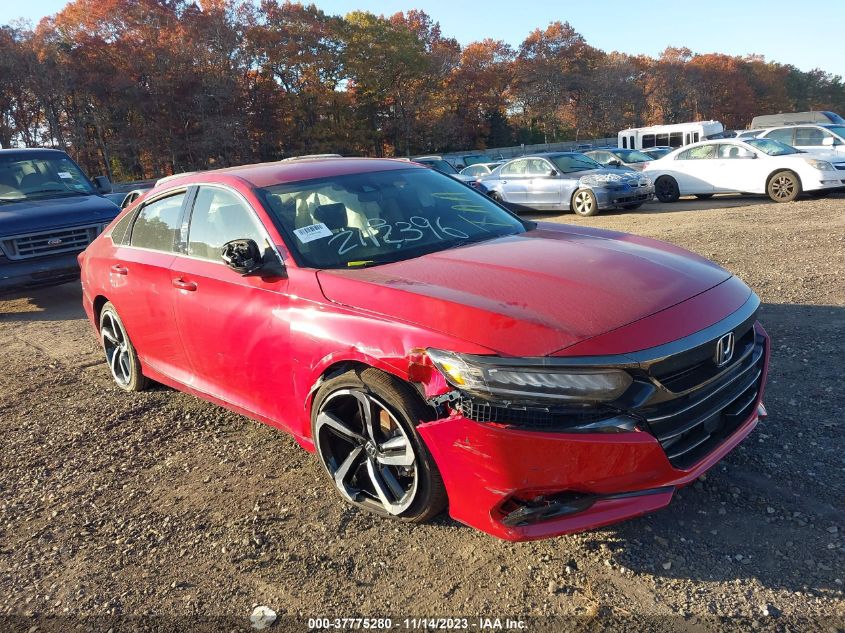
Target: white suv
pixel 825 138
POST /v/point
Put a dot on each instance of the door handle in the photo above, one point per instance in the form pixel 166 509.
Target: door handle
pixel 504 182
pixel 117 269
pixel 180 283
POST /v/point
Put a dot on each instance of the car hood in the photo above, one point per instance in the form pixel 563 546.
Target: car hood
pixel 29 216
pixel 530 294
pixel 831 157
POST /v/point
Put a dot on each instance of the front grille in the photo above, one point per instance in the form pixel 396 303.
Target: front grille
pixel 693 368
pixel 640 197
pixel 31 245
pixel 840 166
pixel 690 426
pixel 554 418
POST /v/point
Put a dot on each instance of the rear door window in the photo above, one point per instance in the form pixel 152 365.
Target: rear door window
pixel 516 168
pixel 698 153
pixel 158 226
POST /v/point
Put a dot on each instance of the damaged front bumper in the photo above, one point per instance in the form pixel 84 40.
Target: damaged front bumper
pixel 525 485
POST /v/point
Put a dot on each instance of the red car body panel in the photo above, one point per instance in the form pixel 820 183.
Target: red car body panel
pixel 518 287
pixel 261 346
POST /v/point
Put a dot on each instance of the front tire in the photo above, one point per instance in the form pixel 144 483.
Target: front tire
pixel 783 186
pixel 363 427
pixel 584 203
pixel 666 189
pixel 120 353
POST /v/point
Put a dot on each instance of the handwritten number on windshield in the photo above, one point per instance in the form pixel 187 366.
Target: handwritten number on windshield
pixel 396 234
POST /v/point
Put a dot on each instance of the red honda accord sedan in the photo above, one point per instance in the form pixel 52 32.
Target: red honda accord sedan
pixel 432 348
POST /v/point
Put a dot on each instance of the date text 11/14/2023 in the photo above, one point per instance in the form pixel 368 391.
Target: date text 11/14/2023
pixel 479 623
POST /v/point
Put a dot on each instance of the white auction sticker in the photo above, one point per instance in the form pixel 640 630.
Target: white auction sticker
pixel 65 174
pixel 313 232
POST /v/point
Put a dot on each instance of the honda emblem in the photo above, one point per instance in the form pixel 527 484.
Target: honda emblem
pixel 724 350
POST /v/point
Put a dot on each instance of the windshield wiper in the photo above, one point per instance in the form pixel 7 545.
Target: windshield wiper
pixel 58 193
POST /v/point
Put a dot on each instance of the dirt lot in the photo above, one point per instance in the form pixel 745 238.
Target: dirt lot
pixel 158 503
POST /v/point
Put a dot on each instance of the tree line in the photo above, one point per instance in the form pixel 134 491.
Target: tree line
pixel 142 88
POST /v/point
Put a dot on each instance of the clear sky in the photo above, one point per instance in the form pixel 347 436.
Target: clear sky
pixel 779 29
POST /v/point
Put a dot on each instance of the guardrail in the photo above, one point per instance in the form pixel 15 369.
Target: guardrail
pixel 519 150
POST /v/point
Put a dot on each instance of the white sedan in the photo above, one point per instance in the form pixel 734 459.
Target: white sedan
pixel 749 166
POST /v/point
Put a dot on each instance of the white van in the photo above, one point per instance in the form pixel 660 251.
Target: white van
pixel 676 135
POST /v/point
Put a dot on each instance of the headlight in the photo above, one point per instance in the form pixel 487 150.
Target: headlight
pixel 528 378
pixel 821 165
pixel 600 180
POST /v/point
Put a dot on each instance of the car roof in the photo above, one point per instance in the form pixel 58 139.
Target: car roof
pixel 32 150
pixel 268 174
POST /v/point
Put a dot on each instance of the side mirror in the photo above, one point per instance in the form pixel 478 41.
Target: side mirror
pixel 615 163
pixel 552 173
pixel 103 184
pixel 827 141
pixel 245 258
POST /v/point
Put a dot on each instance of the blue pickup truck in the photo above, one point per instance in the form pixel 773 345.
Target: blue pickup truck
pixel 49 212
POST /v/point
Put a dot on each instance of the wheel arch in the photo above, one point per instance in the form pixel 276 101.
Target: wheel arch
pixel 97 305
pixel 333 366
pixel 777 171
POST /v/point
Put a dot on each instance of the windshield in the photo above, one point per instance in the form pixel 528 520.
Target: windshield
pixel 839 130
pixel 631 156
pixel 771 147
pixel 32 177
pixel 657 153
pixel 569 163
pixel 380 217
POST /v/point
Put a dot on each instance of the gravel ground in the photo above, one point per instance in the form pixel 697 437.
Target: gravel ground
pixel 116 505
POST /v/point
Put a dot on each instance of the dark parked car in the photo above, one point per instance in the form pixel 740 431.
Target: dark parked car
pixel 658 151
pixel 431 347
pixel 440 164
pixel 618 157
pixel 124 199
pixel 49 213
pixel 559 181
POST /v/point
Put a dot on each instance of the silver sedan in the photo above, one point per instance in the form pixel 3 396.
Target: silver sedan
pixel 564 181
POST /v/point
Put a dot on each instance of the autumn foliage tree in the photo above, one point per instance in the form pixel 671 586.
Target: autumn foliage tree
pixel 143 88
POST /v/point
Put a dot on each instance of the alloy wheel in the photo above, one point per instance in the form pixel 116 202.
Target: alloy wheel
pixel 782 187
pixel 116 346
pixel 583 202
pixel 366 451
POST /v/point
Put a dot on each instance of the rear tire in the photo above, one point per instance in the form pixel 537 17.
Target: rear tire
pixel 584 203
pixel 666 189
pixel 783 186
pixel 363 424
pixel 120 353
